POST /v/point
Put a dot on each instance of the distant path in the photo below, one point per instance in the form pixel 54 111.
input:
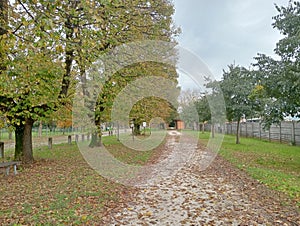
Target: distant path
pixel 220 195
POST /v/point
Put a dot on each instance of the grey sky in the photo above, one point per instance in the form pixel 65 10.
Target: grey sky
pixel 223 31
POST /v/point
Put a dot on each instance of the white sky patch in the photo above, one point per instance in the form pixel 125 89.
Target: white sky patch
pixel 228 31
pixel 186 82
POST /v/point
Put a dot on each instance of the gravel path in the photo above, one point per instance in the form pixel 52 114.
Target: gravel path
pixel 220 195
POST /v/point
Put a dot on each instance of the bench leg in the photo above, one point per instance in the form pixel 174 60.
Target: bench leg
pixel 15 169
pixel 7 171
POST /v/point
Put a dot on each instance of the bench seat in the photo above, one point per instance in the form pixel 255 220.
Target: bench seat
pixel 7 166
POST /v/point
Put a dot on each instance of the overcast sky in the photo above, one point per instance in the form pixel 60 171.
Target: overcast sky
pixel 221 32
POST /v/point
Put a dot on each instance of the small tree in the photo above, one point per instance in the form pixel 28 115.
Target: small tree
pixel 203 110
pixel 237 85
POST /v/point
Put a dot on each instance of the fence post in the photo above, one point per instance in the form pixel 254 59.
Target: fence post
pixel 252 127
pixel 118 132
pixel 69 139
pixel 259 128
pixel 50 142
pixel 246 130
pixel 241 129
pixel 293 140
pixel 280 133
pixel 76 138
pixel 1 149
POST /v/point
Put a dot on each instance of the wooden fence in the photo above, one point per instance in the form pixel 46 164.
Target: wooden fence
pixel 285 132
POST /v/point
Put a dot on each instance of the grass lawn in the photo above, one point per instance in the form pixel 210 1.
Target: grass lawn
pixel 61 188
pixel 274 164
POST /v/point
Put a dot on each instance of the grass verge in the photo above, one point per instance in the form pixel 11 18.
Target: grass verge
pixel 274 164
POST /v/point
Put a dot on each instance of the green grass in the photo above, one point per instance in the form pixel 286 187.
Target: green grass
pixel 274 164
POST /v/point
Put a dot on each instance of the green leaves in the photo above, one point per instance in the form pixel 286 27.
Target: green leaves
pixel 237 86
pixel 281 78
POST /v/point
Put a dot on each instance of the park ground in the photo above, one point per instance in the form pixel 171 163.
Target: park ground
pixel 256 182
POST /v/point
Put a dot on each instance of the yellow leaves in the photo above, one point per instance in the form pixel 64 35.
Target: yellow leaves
pixel 145 214
pixel 25 23
pixel 84 217
pixel 258 91
pixel 148 214
pixel 59 49
pixel 97 18
pixel 259 88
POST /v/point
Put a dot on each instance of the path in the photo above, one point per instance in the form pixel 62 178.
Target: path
pixel 220 195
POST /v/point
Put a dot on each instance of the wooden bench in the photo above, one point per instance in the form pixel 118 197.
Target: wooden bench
pixel 7 166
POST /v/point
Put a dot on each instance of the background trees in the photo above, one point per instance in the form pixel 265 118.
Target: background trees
pixel 187 109
pixel 271 89
pixel 150 20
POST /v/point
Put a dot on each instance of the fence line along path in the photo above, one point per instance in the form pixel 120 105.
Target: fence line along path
pixel 285 132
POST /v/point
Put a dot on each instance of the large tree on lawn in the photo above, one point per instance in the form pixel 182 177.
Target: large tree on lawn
pixel 45 46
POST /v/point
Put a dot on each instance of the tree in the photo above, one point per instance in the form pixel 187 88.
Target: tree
pixel 236 86
pixel 149 20
pixel 63 117
pixel 187 100
pixel 279 80
pixel 43 50
pixel 203 110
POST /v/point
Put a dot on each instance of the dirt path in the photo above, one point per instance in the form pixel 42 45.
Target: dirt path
pixel 220 195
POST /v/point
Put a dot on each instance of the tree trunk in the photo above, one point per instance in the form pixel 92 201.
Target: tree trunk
pixel 238 132
pixel 3 16
pixel 23 148
pixel 136 130
pixel 19 134
pixel 27 141
pixel 96 140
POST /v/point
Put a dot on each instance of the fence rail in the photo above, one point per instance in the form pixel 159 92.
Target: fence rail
pixel 285 132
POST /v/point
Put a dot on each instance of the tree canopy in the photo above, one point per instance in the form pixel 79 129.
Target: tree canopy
pixel 279 79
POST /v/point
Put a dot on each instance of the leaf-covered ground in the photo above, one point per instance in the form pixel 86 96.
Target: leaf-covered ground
pixel 220 195
pixel 61 189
